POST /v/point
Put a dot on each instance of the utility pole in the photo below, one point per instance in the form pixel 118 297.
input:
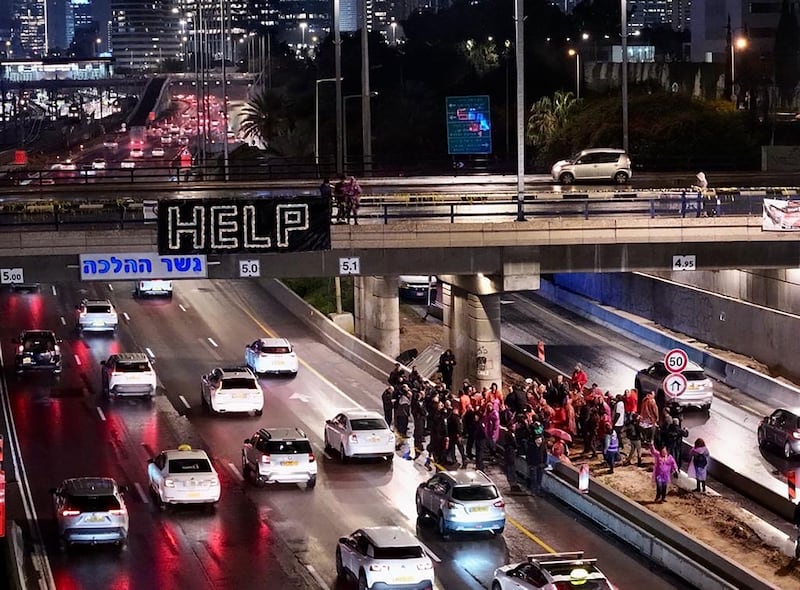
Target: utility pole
pixel 366 115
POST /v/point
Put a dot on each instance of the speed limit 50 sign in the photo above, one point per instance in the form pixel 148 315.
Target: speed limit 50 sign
pixel 676 360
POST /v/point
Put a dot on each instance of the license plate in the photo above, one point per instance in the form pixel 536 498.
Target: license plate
pixel 95 518
pixel 239 395
pixel 479 509
pixel 27 361
pixel 194 494
pixel 403 579
pixel 289 463
pixel 98 323
pixel 373 439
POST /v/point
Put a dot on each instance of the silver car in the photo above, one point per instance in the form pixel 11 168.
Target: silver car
pixel 551 570
pixel 594 164
pixel 90 510
pixel 279 455
pixel 463 500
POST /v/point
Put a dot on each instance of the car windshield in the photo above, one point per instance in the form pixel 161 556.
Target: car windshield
pixel 133 367
pixel 368 424
pixel 411 552
pixel 582 585
pixel 92 503
pixel 198 465
pixel 288 447
pixel 239 383
pixel 694 375
pixel 98 309
pixel 38 343
pixel 275 350
pixel 474 493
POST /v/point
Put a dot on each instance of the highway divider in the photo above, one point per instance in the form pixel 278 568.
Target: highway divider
pixel 654 537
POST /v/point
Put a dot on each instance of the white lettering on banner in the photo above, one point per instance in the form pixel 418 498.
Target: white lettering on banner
pixel 224 219
pixel 142 265
pixel 250 229
pixel 10 276
pixel 196 228
pixel 350 266
pixel 290 218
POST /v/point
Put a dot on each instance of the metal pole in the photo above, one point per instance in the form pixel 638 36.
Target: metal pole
pixel 337 282
pixel 344 133
pixel 733 73
pixel 519 15
pixel 624 75
pixel 222 29
pixel 577 74
pixel 337 58
pixel 366 115
pixel 269 61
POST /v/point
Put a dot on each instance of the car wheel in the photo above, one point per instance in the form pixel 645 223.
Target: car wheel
pixel 787 450
pixel 362 582
pixel 343 455
pixel 496 585
pixel 259 412
pixel 442 526
pixel 311 483
pixel 341 573
pixel 621 177
pixel 245 467
pixel 157 499
pixel 105 387
pixel 420 509
pixel 327 448
pixel 762 440
pixel 499 531
pixel 566 178
pixel 706 407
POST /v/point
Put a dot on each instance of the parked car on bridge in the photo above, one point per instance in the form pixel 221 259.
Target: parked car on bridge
pixel 596 164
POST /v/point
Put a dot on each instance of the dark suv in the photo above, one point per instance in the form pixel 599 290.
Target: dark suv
pixel 38 350
pixel 781 429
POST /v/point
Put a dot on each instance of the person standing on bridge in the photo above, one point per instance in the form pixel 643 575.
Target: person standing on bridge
pixel 352 196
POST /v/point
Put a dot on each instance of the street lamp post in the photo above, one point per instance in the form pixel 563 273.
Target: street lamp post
pixel 394 32
pixel 739 43
pixel 576 54
pixel 303 27
pixel 624 31
pixel 316 116
pixel 519 15
pixel 344 120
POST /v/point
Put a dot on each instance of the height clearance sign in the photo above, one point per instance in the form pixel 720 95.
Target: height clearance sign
pixel 231 226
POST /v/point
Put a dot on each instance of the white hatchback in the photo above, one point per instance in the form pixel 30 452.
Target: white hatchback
pixel 183 476
pixel 271 355
pixel 232 389
pixel 97 316
pixel 128 373
pixel 361 434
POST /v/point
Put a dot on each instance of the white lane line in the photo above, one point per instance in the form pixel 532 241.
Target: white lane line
pixel 185 403
pixel 110 287
pixel 63 321
pixel 327 455
pixel 317 578
pixel 150 352
pixel 53 289
pixel 214 344
pixel 182 308
pixel 126 316
pixel 430 553
pixel 140 491
pixel 236 472
pixel 748 409
pixel 77 359
pixel 101 414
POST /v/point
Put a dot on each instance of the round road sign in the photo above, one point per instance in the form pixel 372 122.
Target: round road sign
pixel 676 360
pixel 674 385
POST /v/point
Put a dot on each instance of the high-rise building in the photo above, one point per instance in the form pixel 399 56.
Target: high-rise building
pixel 78 15
pixel 31 25
pixel 144 34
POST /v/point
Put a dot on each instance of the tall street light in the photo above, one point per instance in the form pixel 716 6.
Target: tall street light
pixel 740 43
pixel 303 27
pixel 316 116
pixel 393 24
pixel 337 59
pixel 366 110
pixel 519 15
pixel 344 119
pixel 576 54
pixel 624 32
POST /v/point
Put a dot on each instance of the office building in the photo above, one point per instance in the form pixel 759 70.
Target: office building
pixel 78 16
pixel 31 26
pixel 143 35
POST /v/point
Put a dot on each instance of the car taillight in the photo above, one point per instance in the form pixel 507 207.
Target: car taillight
pixel 311 458
pixel 427 565
pixel 378 567
pixel 20 348
pixel 796 434
pixel 169 483
pixel 117 512
pixel 67 512
pixel 499 504
pixel 57 349
pixel 354 438
pixel 266 459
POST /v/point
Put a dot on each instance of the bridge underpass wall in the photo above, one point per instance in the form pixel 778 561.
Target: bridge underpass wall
pixel 472 330
pixel 377 313
pixel 724 322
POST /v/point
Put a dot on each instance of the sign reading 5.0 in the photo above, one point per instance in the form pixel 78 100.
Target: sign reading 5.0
pixel 10 276
pixel 249 268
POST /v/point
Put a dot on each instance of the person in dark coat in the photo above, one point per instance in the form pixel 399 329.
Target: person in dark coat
pixel 438 442
pixel 517 399
pixel 339 197
pixel 470 421
pixel 419 414
pixel 672 438
pixel 397 376
pixel 797 525
pixel 536 458
pixel 402 411
pixel 510 451
pixel 447 361
pixel 388 399
pixel 455 435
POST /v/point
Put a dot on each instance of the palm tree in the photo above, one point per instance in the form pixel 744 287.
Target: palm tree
pixel 548 116
pixel 264 116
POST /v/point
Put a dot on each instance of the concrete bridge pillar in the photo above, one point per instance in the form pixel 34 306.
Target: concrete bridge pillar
pixel 472 329
pixel 377 313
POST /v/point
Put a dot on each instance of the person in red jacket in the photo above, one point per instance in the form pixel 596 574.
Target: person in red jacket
pixel 579 378
pixel 631 404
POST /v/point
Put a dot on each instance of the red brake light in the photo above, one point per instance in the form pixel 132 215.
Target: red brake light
pixel 499 504
pixel 117 512
pixel 311 458
pixel 266 459
pixel 67 512
pixel 20 348
pixel 354 438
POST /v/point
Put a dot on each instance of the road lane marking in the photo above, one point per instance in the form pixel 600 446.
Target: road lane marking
pixel 77 359
pixel 63 321
pixel 214 344
pixel 182 308
pixel 53 289
pixel 141 493
pixel 236 472
pixel 430 553
pixel 126 316
pixel 185 403
pixel 101 414
pixel 530 535
pixel 317 578
pixel 327 455
pixel 110 287
pixel 150 352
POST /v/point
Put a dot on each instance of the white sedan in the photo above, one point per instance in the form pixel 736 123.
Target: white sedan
pixel 234 389
pixel 551 570
pixel 183 476
pixel 271 355
pixel 361 434
pixel 158 152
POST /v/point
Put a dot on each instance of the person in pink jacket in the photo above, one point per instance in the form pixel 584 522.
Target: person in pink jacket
pixel 663 468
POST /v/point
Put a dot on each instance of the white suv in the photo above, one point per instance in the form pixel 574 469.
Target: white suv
pixel 233 389
pixel 97 316
pixel 129 373
pixel 90 510
pixel 279 455
pixel 384 557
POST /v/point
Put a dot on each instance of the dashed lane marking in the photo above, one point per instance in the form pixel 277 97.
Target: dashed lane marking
pixel 77 359
pixel 63 321
pixel 140 491
pixel 235 471
pixel 53 289
pixel 150 352
pixel 317 578
pixel 185 403
pixel 110 287
pixel 101 414
pixel 430 553
pixel 126 316
pixel 181 307
pixel 214 344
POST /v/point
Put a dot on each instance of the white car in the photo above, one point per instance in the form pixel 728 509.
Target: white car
pixel 154 288
pixel 551 570
pixel 183 476
pixel 98 164
pixel 128 373
pixel 158 152
pixel 137 153
pixel 279 455
pixel 97 316
pixel 110 145
pixel 90 510
pixel 271 355
pixel 384 557
pixel 233 389
pixel 361 434
pixel 699 388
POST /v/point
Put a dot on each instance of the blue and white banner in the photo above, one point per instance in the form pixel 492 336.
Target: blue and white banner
pixel 142 265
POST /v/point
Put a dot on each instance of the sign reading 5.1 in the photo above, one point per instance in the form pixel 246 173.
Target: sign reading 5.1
pixel 10 276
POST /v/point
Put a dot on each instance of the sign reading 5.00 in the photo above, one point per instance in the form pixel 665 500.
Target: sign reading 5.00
pixel 10 276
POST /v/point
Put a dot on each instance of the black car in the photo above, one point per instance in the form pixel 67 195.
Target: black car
pixel 38 350
pixel 781 429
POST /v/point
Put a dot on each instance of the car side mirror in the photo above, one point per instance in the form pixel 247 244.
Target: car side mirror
pixel 52 491
pixel 328 421
pixel 247 441
pixel 102 363
pixel 123 489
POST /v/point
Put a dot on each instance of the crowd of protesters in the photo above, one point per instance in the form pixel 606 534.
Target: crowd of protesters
pixel 537 421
